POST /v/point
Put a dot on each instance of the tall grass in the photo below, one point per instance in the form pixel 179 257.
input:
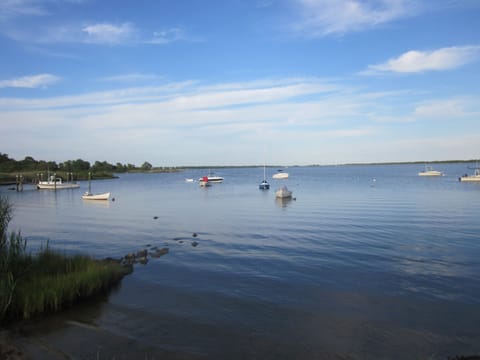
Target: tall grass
pixel 31 285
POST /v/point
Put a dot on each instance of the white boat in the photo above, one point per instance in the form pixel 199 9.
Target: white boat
pixel 430 172
pixel 56 183
pixel 280 175
pixel 212 178
pixel 471 178
pixel 189 180
pixel 88 194
pixel 283 193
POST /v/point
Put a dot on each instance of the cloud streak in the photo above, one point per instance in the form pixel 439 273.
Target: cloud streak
pixel 415 61
pixel 337 17
pixel 30 82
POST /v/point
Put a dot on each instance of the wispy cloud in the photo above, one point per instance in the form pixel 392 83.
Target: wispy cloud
pixel 14 8
pixel 422 61
pixel 106 33
pixel 132 77
pixel 34 81
pixel 167 36
pixel 337 17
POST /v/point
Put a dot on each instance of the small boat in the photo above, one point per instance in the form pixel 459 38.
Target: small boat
pixel 471 178
pixel 283 193
pixel 189 180
pixel 204 182
pixel 88 194
pixel 212 178
pixel 264 185
pixel 430 172
pixel 280 175
pixel 56 183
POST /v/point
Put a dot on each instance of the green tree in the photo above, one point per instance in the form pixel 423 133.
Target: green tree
pixel 146 166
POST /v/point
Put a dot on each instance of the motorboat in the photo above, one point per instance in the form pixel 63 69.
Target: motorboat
pixel 283 193
pixel 56 183
pixel 88 194
pixel 471 178
pixel 430 172
pixel 280 175
pixel 212 178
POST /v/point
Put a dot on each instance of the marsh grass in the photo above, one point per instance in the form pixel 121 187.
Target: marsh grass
pixel 32 285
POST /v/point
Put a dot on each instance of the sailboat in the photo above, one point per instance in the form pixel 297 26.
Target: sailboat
pixel 88 194
pixel 264 185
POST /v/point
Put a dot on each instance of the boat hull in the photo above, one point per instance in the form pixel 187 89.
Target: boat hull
pixel 430 173
pixel 474 178
pixel 283 193
pixel 104 196
pixel 280 176
pixel 57 186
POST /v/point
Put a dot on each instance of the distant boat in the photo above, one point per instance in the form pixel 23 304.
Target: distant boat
pixel 471 178
pixel 212 178
pixel 89 196
pixel 189 180
pixel 280 175
pixel 56 183
pixel 283 193
pixel 430 172
pixel 204 182
pixel 264 185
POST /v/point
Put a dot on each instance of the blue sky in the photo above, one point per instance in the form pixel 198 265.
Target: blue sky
pixel 238 82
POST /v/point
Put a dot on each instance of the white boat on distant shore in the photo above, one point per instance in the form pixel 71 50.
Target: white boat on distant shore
pixel 56 183
pixel 471 178
pixel 430 172
pixel 283 193
pixel 280 175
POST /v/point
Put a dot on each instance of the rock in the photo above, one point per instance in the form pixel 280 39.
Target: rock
pixel 159 252
pixel 194 235
pixel 155 217
pixel 194 243
pixel 142 253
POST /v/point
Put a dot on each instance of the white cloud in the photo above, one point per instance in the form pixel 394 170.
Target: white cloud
pixel 421 61
pixel 34 81
pixel 167 36
pixel 133 77
pixel 105 33
pixel 327 17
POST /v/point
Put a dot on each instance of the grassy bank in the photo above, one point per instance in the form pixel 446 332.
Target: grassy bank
pixel 32 285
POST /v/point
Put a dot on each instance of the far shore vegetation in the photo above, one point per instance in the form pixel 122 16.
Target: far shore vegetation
pixel 32 169
pixel 32 285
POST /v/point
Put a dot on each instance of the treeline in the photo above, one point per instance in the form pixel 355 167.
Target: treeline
pixel 29 164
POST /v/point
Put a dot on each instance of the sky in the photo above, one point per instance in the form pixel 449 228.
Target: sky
pixel 240 82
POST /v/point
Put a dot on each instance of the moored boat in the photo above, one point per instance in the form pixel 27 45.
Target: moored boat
pixel 430 172
pixel 471 178
pixel 280 175
pixel 90 196
pixel 56 183
pixel 283 193
pixel 204 182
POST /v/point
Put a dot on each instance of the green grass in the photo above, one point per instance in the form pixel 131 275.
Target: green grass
pixel 32 285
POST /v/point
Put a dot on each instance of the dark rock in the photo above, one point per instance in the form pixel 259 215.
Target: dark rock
pixel 159 252
pixel 142 253
pixel 194 235
pixel 194 243
pixel 155 217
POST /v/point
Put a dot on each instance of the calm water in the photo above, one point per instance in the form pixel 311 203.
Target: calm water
pixel 351 268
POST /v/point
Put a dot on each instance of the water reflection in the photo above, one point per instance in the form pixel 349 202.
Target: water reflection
pixel 283 202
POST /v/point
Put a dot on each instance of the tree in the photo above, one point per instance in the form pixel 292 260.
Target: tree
pixel 146 166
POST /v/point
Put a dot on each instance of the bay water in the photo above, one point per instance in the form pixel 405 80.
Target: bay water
pixel 363 262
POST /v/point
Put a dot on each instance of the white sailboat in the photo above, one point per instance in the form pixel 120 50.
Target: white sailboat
pixel 264 185
pixel 88 194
